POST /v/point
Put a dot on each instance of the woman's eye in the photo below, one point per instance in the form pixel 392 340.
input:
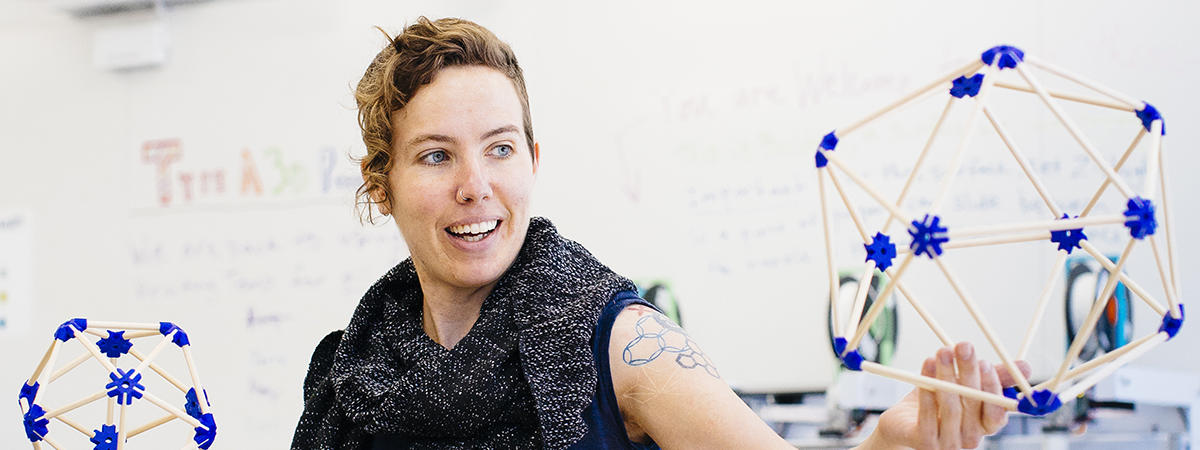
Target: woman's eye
pixel 503 150
pixel 436 157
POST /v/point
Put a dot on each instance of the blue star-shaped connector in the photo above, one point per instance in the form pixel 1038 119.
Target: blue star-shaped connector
pixel 192 406
pixel 1009 56
pixel 829 142
pixel 206 432
pixel 115 344
pixel 1044 402
pixel 28 392
pixel 968 87
pixel 35 424
pixel 881 250
pixel 927 236
pixel 1067 239
pixel 180 339
pixel 125 386
pixel 1011 392
pixel 105 438
pixel 1140 214
pixel 1148 115
pixel 851 359
pixel 1171 325
pixel 65 332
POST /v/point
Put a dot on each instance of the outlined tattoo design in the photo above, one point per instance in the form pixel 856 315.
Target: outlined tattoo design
pixel 660 335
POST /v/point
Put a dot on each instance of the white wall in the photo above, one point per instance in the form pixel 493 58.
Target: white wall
pixel 662 126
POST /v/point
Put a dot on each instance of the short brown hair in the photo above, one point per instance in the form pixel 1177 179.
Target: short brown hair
pixel 408 62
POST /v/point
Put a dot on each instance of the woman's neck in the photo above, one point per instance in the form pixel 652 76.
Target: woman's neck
pixel 448 312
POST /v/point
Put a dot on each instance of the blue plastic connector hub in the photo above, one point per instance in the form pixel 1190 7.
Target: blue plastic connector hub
pixel 125 386
pixel 1067 239
pixel 852 360
pixel 1140 214
pixel 105 438
pixel 206 432
pixel 1011 392
pixel 829 142
pixel 1044 402
pixel 180 339
pixel 1009 56
pixel 881 250
pixel 1148 115
pixel 927 236
pixel 29 393
pixel 1170 324
pixel 839 345
pixel 192 406
pixel 966 87
pixel 65 332
pixel 115 344
pixel 35 424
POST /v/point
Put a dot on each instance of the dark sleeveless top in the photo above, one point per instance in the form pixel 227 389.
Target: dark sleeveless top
pixel 606 427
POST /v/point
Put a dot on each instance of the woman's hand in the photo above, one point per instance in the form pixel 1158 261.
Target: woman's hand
pixel 925 419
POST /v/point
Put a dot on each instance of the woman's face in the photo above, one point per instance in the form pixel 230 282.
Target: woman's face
pixel 462 177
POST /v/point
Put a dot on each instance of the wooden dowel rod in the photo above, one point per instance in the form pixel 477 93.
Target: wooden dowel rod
pixel 935 384
pixel 37 446
pixel 118 326
pixel 877 307
pixel 52 443
pixel 1089 324
pixel 1055 211
pixel 1074 131
pixel 112 406
pixel 860 299
pixel 1167 224
pixel 159 370
pixel 827 232
pixel 858 223
pixel 920 161
pixel 1086 367
pixel 1151 185
pixel 95 351
pixel 200 395
pixel 1129 283
pixel 154 353
pixel 933 325
pixel 126 335
pixel 1068 97
pixel 1121 162
pixel 968 68
pixel 172 409
pixel 1043 302
pixel 1128 101
pixel 1162 275
pixel 969 132
pixel 1013 370
pixel 76 426
pixel 1103 372
pixel 995 240
pixel 76 404
pixel 1047 225
pixel 892 209
pixel 37 371
pixel 121 435
pixel 67 368
pixel 151 425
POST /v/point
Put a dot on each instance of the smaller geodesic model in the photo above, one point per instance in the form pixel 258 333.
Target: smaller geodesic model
pixel 122 387
pixel 930 236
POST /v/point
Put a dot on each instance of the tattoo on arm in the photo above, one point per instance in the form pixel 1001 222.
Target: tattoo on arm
pixel 656 335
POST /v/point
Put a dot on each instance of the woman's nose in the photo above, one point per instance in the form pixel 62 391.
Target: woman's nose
pixel 473 183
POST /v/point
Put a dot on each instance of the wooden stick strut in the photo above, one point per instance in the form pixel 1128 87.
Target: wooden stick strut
pixel 1055 211
pixel 1167 225
pixel 1120 162
pixel 995 240
pixel 37 371
pixel 127 335
pixel 172 409
pixel 1152 168
pixel 969 68
pixel 151 425
pixel 1043 302
pixel 860 299
pixel 1048 225
pixel 1086 367
pixel 1068 97
pixel 95 351
pixel 1162 275
pixel 75 425
pixel 877 307
pixel 121 435
pixel 956 162
pixel 1074 131
pixel 1104 372
pixel 116 326
pixel 858 222
pixel 154 353
pixel 159 370
pixel 892 209
pixel 201 397
pixel 1129 283
pixel 933 325
pixel 67 368
pixel 834 285
pixel 935 384
pixel 1127 100
pixel 912 175
pixel 78 403
pixel 1013 370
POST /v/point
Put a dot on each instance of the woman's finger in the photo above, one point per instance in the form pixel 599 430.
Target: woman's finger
pixel 968 376
pixel 993 417
pixel 1006 378
pixel 927 411
pixel 949 405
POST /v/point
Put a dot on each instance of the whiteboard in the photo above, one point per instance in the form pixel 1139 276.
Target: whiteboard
pixel 676 142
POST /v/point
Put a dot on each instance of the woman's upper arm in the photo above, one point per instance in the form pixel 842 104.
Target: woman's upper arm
pixel 668 387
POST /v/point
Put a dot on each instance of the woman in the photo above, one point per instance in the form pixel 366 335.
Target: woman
pixel 498 332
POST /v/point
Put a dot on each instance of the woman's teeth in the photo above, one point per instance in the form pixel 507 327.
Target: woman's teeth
pixel 473 232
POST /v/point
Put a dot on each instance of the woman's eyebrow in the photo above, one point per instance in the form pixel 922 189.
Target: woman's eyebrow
pixel 432 137
pixel 501 130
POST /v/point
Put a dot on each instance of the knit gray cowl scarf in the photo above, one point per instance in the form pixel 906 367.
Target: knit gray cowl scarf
pixel 520 378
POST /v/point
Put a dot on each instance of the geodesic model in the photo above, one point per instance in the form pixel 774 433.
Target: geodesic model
pixel 122 387
pixel 929 236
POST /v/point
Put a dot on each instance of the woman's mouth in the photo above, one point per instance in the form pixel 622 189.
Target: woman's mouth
pixel 473 232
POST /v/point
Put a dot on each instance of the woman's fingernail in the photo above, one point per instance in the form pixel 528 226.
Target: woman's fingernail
pixel 944 356
pixel 966 351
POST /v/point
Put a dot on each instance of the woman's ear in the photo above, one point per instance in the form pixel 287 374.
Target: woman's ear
pixel 379 199
pixel 537 156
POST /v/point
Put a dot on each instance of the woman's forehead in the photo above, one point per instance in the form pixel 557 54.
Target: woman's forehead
pixel 463 102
